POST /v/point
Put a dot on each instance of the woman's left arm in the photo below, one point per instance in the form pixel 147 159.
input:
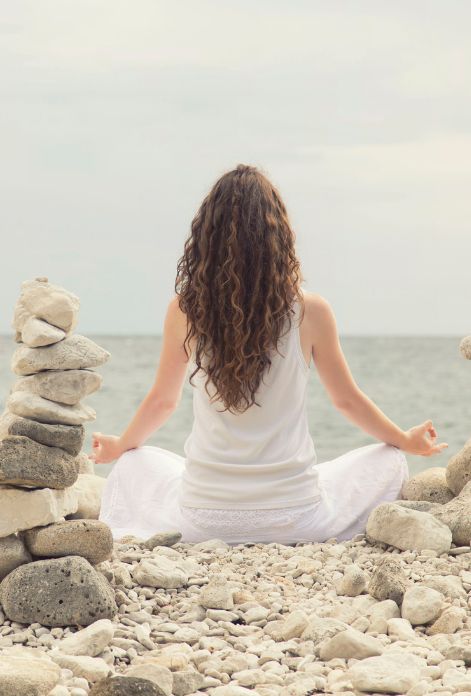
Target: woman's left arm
pixel 163 397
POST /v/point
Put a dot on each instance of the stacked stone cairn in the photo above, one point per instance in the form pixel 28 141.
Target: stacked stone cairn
pixel 50 536
pixel 434 511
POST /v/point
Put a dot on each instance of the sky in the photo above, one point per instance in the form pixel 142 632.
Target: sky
pixel 117 117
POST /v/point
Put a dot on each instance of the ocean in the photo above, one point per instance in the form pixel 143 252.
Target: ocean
pixel 410 378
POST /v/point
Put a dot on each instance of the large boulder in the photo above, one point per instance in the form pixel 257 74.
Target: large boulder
pixel 458 470
pixel 407 529
pixel 457 516
pixel 57 592
pixel 22 508
pixel 68 437
pixel 27 674
pixel 33 406
pixel 52 303
pixel 91 539
pixel 24 462
pixel 13 553
pixel 72 353
pixel 429 485
pixel 63 386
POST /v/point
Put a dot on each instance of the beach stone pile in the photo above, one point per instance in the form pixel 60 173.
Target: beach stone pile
pixel 50 536
pixel 435 506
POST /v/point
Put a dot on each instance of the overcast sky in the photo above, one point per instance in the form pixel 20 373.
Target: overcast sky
pixel 117 116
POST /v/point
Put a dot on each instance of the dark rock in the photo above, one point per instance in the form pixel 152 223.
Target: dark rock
pixel 91 539
pixel 125 686
pixel 68 437
pixel 57 592
pixel 24 462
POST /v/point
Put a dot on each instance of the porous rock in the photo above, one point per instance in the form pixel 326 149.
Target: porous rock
pixel 23 508
pixel 13 553
pixel 430 485
pixel 57 592
pixel 63 386
pixel 68 437
pixel 24 462
pixel 91 539
pixel 72 353
pixel 33 406
pixel 408 529
pixel 388 580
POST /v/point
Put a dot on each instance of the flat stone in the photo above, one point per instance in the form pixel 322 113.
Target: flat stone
pixel 91 539
pixel 408 529
pixel 68 437
pixel 125 686
pixel 457 516
pixel 162 539
pixel 458 470
pixel 390 673
pixel 46 301
pixel 23 508
pixel 28 675
pixel 24 462
pixel 420 505
pixel 93 669
pixel 91 640
pixel 89 489
pixel 350 644
pixel 388 580
pixel 450 621
pixel 63 386
pixel 72 353
pixel 320 628
pixel 37 332
pixel 163 573
pixel 57 592
pixel 421 605
pixel 13 553
pixel 29 405
pixel 430 485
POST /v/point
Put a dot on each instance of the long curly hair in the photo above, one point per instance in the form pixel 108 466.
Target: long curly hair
pixel 236 282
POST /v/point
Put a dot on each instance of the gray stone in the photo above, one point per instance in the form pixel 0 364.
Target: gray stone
pixel 162 539
pixel 187 682
pixel 37 332
pixel 57 592
pixel 24 462
pixel 408 529
pixel 13 553
pixel 429 485
pixel 32 406
pixel 72 353
pixel 160 675
pixel 91 539
pixel 388 580
pixel 68 437
pixel 465 347
pixel 23 508
pixel 458 470
pixel 63 386
pixel 125 686
pixel 457 516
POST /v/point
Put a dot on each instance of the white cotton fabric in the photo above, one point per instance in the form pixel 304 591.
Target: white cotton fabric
pixel 140 497
pixel 262 458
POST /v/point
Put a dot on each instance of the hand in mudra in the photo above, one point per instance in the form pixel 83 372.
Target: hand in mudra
pixel 106 448
pixel 421 439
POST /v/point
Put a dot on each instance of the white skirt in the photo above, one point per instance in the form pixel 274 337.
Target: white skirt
pixel 140 497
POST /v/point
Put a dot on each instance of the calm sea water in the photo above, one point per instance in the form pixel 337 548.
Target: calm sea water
pixel 409 378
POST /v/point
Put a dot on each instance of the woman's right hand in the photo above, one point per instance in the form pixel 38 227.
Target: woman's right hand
pixel 421 439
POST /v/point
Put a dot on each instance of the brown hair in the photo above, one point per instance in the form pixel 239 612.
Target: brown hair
pixel 237 280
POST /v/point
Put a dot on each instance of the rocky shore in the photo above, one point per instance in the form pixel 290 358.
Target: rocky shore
pixel 388 611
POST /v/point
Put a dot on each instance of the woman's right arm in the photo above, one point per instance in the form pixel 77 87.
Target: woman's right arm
pixel 347 396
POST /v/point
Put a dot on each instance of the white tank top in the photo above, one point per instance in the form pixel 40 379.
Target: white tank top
pixel 262 458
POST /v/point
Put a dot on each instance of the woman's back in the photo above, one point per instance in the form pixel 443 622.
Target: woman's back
pixel 262 458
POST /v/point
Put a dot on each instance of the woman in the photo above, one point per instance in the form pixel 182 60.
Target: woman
pixel 246 330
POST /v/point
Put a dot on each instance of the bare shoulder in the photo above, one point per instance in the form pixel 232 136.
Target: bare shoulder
pixel 318 310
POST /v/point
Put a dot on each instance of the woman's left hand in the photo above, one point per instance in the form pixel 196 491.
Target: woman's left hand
pixel 106 448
